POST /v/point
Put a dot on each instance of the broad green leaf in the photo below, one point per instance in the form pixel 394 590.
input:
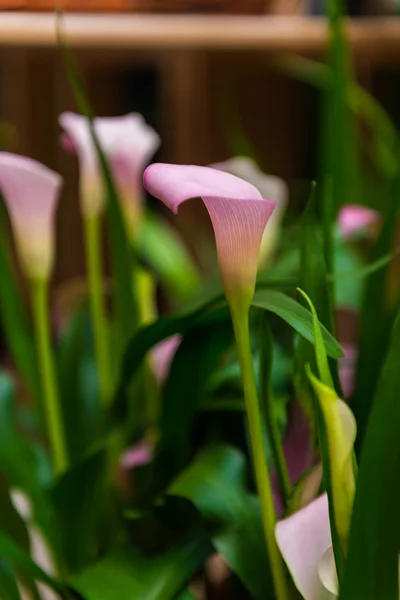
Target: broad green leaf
pixel 296 316
pixel 215 482
pixel 8 585
pixel 14 318
pixel 372 567
pixel 22 463
pixel 375 323
pixel 78 384
pixel 130 574
pixel 161 248
pixel 122 257
pixel 79 497
pixel 186 595
pixel 195 360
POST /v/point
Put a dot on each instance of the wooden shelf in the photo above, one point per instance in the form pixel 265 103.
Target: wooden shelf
pixel 374 37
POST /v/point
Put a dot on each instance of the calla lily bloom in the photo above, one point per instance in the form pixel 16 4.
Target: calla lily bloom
pixel 238 214
pixel 269 186
pixel 305 542
pixel 354 218
pixel 347 366
pixel 30 192
pixel 128 143
pixel 162 355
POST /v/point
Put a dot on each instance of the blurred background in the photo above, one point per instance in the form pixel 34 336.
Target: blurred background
pixel 215 78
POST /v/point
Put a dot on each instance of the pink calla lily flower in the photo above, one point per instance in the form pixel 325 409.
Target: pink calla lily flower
pixel 30 192
pixel 305 542
pixel 238 214
pixel 354 218
pixel 162 355
pixel 128 143
pixel 269 186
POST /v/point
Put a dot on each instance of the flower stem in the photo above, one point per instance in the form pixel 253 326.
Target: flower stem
pixel 263 482
pixel 97 306
pixel 53 413
pixel 266 399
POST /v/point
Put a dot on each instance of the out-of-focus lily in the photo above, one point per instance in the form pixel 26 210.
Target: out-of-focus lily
pixel 30 191
pixel 238 214
pixel 269 186
pixel 40 551
pixel 347 366
pixel 128 143
pixel 354 218
pixel 162 356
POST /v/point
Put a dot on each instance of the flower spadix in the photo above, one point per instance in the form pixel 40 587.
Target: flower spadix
pixel 30 191
pixel 238 214
pixel 128 143
pixel 269 186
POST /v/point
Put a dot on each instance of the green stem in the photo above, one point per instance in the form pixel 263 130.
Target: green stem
pixel 53 413
pixel 242 335
pixel 97 306
pixel 266 399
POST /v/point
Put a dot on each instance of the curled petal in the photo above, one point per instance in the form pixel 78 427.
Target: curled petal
pixel 136 456
pixel 353 218
pixel 238 214
pixel 30 191
pixel 269 186
pixel 162 356
pixel 327 572
pixel 303 538
pixel 127 142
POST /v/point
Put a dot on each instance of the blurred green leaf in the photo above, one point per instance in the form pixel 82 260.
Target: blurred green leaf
pixel 131 574
pixel 8 585
pixel 296 316
pixel 372 568
pixel 78 384
pixel 163 250
pixel 216 484
pixel 375 322
pixel 22 463
pixel 79 497
pixel 14 318
pixel 186 595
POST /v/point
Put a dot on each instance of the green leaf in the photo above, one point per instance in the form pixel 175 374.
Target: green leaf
pixel 8 585
pixel 372 564
pixel 186 595
pixel 14 318
pixel 122 257
pixel 216 484
pixel 194 362
pixel 165 253
pixel 296 316
pixel 78 384
pixel 131 574
pixel 375 323
pixel 79 499
pixel 21 462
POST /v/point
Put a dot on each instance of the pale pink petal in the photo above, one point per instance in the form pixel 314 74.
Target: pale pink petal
pixel 353 218
pixel 303 538
pixel 30 191
pixel 238 214
pixel 269 186
pixel 327 572
pixel 128 143
pixel 136 456
pixel 162 356
pixel 347 366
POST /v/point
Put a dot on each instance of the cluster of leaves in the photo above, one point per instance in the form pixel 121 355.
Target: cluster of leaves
pixel 145 534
